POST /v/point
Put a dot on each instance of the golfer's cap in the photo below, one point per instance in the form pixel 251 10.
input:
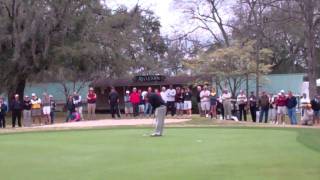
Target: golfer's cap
pixel 50 96
pixel 127 92
pixel 26 96
pixel 91 89
pixel 282 91
pixel 33 94
pixel 279 94
pixel 16 95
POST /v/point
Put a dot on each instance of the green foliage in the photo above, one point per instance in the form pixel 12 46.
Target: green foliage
pixel 232 65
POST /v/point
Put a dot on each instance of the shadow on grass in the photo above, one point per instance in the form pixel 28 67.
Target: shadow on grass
pixel 309 138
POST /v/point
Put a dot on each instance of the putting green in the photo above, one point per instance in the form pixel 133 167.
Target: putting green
pixel 183 153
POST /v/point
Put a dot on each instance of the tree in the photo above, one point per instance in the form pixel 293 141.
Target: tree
pixel 31 30
pixel 232 65
pixel 206 15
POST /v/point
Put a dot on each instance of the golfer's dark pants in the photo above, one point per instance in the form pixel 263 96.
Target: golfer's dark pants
pixel 253 111
pixel 2 121
pixel 16 114
pixel 243 111
pixel 135 109
pixel 52 115
pixel 114 107
pixel 171 107
pixel 264 112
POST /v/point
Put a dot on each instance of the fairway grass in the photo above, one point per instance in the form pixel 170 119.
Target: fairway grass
pixel 182 154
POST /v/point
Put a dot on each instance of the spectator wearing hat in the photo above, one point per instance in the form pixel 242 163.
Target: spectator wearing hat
pixel 16 108
pixel 46 109
pixel 91 100
pixel 315 104
pixel 27 112
pixel 36 108
pixel 264 105
pixel 242 102
pixel 307 118
pixel 77 101
pixel 127 104
pixel 3 112
pixel 114 100
pixel 53 109
pixel 281 107
pixel 253 106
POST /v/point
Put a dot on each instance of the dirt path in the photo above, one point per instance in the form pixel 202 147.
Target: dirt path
pixel 91 124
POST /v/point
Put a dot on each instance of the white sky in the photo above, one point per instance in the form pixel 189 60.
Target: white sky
pixel 162 8
pixel 171 19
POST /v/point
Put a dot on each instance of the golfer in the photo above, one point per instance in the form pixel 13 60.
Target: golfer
pixel 160 112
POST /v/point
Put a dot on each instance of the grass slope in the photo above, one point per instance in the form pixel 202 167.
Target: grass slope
pixel 184 153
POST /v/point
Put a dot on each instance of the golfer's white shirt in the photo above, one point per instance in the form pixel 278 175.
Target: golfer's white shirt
pixel 171 93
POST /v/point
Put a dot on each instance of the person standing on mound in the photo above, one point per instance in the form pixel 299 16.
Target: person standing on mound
pixel 160 112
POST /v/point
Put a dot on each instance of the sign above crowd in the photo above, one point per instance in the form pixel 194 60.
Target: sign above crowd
pixel 149 78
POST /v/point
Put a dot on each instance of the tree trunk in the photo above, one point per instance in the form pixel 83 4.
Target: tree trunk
pixel 312 63
pixel 310 34
pixel 17 88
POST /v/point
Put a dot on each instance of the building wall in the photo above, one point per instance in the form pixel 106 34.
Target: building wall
pixel 273 83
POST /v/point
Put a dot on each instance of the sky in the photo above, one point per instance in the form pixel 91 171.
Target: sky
pixel 164 9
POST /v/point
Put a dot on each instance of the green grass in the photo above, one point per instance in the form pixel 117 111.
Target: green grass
pixel 183 153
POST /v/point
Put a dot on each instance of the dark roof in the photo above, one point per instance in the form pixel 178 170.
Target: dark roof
pixel 172 80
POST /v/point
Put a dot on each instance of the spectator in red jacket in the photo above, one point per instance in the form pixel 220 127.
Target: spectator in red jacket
pixel 91 103
pixel 135 100
pixel 281 106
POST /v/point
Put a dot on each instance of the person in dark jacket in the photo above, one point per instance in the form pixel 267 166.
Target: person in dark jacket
pixel 253 106
pixel 3 112
pixel 53 109
pixel 199 89
pixel 70 108
pixel 160 112
pixel 16 108
pixel 315 104
pixel 27 122
pixel 291 107
pixel 113 99
pixel 264 104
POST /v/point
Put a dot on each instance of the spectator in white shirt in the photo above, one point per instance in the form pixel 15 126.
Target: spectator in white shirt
pixel 242 102
pixel 163 94
pixel 171 94
pixel 303 103
pixel 205 100
pixel 226 101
